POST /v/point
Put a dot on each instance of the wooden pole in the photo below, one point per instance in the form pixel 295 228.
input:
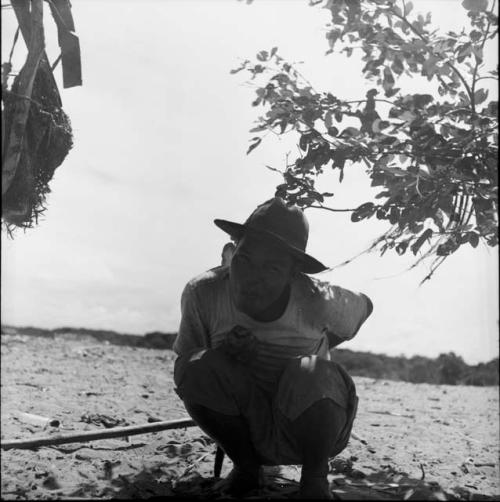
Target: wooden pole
pixel 82 437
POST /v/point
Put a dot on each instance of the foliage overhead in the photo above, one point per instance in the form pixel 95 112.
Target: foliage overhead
pixel 434 156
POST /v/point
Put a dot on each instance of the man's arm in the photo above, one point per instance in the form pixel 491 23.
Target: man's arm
pixel 369 306
pixel 347 315
pixel 193 333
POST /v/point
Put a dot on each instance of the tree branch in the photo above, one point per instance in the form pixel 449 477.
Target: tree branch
pixel 334 210
pixel 476 67
pixel 377 100
pixel 412 28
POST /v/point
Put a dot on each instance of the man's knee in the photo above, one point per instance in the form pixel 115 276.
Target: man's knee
pixel 307 368
pixel 212 379
pixel 308 379
pixel 199 365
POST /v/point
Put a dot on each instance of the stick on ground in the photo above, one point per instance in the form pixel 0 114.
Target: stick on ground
pixel 80 437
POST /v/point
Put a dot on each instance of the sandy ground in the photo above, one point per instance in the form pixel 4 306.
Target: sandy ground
pixel 447 435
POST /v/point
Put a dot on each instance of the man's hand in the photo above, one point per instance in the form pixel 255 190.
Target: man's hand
pixel 240 343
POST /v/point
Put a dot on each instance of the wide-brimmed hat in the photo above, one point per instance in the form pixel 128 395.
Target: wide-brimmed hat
pixel 284 224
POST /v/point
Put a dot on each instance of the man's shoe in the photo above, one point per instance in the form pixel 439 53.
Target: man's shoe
pixel 240 481
pixel 315 487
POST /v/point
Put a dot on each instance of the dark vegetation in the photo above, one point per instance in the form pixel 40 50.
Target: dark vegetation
pixel 448 369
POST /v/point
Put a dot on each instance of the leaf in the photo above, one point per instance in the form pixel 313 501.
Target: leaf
pixel 363 211
pixel 350 131
pixel 274 50
pixel 338 116
pixel 388 82
pixel 333 131
pixel 408 8
pixel 397 10
pixel 255 144
pixel 492 108
pixel 473 239
pixel 257 69
pixel 392 92
pixel 262 56
pixel 303 142
pixel 475 5
pixel 422 100
pixel 426 234
pixel 393 215
pixel 328 119
pixel 480 95
pixel 438 219
pixel 397 66
pixel 407 116
pixel 408 494
pixel 475 35
pixel 401 247
pixel 478 52
pixel 258 128
pixel 463 238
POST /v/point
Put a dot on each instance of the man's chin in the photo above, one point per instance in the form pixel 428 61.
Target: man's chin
pixel 248 307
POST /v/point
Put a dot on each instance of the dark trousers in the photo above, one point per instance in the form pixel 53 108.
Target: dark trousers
pixel 210 378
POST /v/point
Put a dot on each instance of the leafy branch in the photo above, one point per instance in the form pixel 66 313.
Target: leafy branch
pixel 433 157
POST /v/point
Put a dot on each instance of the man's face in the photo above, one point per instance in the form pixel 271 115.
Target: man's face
pixel 259 273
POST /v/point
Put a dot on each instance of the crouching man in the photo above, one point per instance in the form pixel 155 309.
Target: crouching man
pixel 253 367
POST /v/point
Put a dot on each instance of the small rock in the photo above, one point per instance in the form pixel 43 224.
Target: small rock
pixel 341 465
pixel 171 450
pixel 357 474
pixel 51 483
pixel 186 449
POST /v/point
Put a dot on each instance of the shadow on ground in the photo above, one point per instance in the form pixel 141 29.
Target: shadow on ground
pixel 386 484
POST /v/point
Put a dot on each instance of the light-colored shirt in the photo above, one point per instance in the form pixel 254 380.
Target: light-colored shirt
pixel 315 309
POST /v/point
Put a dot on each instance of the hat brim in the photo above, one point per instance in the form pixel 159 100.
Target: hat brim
pixel 307 263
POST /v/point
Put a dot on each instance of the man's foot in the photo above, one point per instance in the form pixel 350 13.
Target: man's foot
pixel 240 481
pixel 315 487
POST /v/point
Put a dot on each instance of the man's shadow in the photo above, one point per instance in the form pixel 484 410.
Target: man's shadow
pixel 384 484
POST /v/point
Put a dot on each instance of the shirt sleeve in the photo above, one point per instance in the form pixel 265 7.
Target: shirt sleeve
pixel 192 333
pixel 343 311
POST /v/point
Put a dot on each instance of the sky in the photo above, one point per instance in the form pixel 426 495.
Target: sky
pixel 160 137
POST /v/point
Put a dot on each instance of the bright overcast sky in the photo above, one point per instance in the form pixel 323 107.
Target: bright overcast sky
pixel 160 135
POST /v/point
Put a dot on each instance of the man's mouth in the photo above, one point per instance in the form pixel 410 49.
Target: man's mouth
pixel 250 296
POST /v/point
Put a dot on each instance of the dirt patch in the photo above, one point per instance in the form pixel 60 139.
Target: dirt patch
pixel 419 441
